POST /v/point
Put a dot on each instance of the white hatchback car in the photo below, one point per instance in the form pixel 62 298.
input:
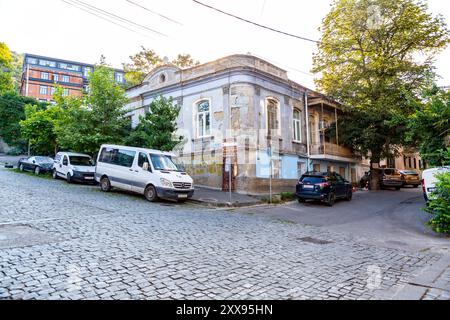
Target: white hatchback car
pixel 74 167
pixel 429 180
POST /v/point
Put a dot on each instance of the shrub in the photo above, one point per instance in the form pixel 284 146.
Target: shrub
pixel 439 205
pixel 287 196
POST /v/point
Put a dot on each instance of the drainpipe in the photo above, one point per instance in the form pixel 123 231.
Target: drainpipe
pixel 308 151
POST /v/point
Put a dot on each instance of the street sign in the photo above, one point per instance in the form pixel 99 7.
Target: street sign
pixel 229 144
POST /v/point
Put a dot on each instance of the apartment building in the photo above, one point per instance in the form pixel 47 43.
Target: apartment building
pixel 41 74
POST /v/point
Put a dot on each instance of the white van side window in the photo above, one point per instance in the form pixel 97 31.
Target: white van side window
pixel 118 157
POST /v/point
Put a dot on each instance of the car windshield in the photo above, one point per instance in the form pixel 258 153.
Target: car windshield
pixel 44 159
pixel 162 162
pixel 313 180
pixel 81 161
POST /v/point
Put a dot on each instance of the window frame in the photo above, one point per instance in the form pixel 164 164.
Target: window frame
pixel 43 88
pixel 277 117
pixel 205 133
pixel 297 123
pixel 44 75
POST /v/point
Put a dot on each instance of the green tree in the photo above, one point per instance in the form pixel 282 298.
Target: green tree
pixel 156 130
pixel 99 119
pixel 429 126
pixel 12 111
pixel 146 60
pixel 39 128
pixel 184 61
pixel 16 69
pixel 6 82
pixel 368 60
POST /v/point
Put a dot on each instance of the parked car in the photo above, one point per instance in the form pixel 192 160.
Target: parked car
pixel 36 164
pixel 74 167
pixel 145 171
pixel 389 178
pixel 429 181
pixel 410 178
pixel 323 186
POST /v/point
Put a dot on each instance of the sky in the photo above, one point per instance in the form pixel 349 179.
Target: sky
pixel 57 29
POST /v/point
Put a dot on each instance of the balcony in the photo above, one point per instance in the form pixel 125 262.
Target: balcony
pixel 331 149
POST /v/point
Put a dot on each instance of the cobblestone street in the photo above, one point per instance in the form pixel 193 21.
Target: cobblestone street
pixel 68 241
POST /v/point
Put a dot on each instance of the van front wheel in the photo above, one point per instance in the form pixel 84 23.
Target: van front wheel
pixel 105 184
pixel 150 193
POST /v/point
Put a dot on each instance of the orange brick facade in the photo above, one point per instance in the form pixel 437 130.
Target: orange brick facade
pixel 33 80
pixel 41 75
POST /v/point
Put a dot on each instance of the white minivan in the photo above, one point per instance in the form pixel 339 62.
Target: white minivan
pixel 74 167
pixel 429 181
pixel 145 171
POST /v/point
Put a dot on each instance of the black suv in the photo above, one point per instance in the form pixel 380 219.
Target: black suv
pixel 323 186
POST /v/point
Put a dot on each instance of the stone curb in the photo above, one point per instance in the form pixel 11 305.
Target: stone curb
pixel 225 204
pixel 428 278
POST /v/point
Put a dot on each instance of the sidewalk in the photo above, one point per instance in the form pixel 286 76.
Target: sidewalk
pixel 218 198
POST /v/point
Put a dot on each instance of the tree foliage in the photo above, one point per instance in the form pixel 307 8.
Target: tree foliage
pixel 429 126
pixel 100 119
pixel 6 81
pixel 156 130
pixel 16 69
pixel 375 57
pixel 39 128
pixel 12 111
pixel 146 60
pixel 439 204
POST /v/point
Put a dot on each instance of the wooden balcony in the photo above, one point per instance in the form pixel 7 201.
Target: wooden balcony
pixel 332 150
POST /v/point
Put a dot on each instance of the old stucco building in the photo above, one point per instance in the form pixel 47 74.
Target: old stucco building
pixel 254 108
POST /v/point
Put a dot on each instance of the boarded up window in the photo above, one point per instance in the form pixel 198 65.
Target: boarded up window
pixel 272 117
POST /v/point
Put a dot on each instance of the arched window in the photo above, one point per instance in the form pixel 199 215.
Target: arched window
pixel 297 120
pixel 203 118
pixel 272 117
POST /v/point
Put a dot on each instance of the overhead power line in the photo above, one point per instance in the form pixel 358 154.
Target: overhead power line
pixel 154 12
pixel 114 16
pixel 104 18
pixel 256 24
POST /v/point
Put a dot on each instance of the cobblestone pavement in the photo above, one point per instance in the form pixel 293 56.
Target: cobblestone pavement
pixel 61 241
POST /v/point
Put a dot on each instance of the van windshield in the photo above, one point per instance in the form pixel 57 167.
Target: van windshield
pixel 162 162
pixel 81 161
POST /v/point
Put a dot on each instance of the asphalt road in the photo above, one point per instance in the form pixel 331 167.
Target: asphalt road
pixel 388 218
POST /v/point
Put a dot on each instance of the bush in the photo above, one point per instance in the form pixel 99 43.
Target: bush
pixel 439 206
pixel 287 196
